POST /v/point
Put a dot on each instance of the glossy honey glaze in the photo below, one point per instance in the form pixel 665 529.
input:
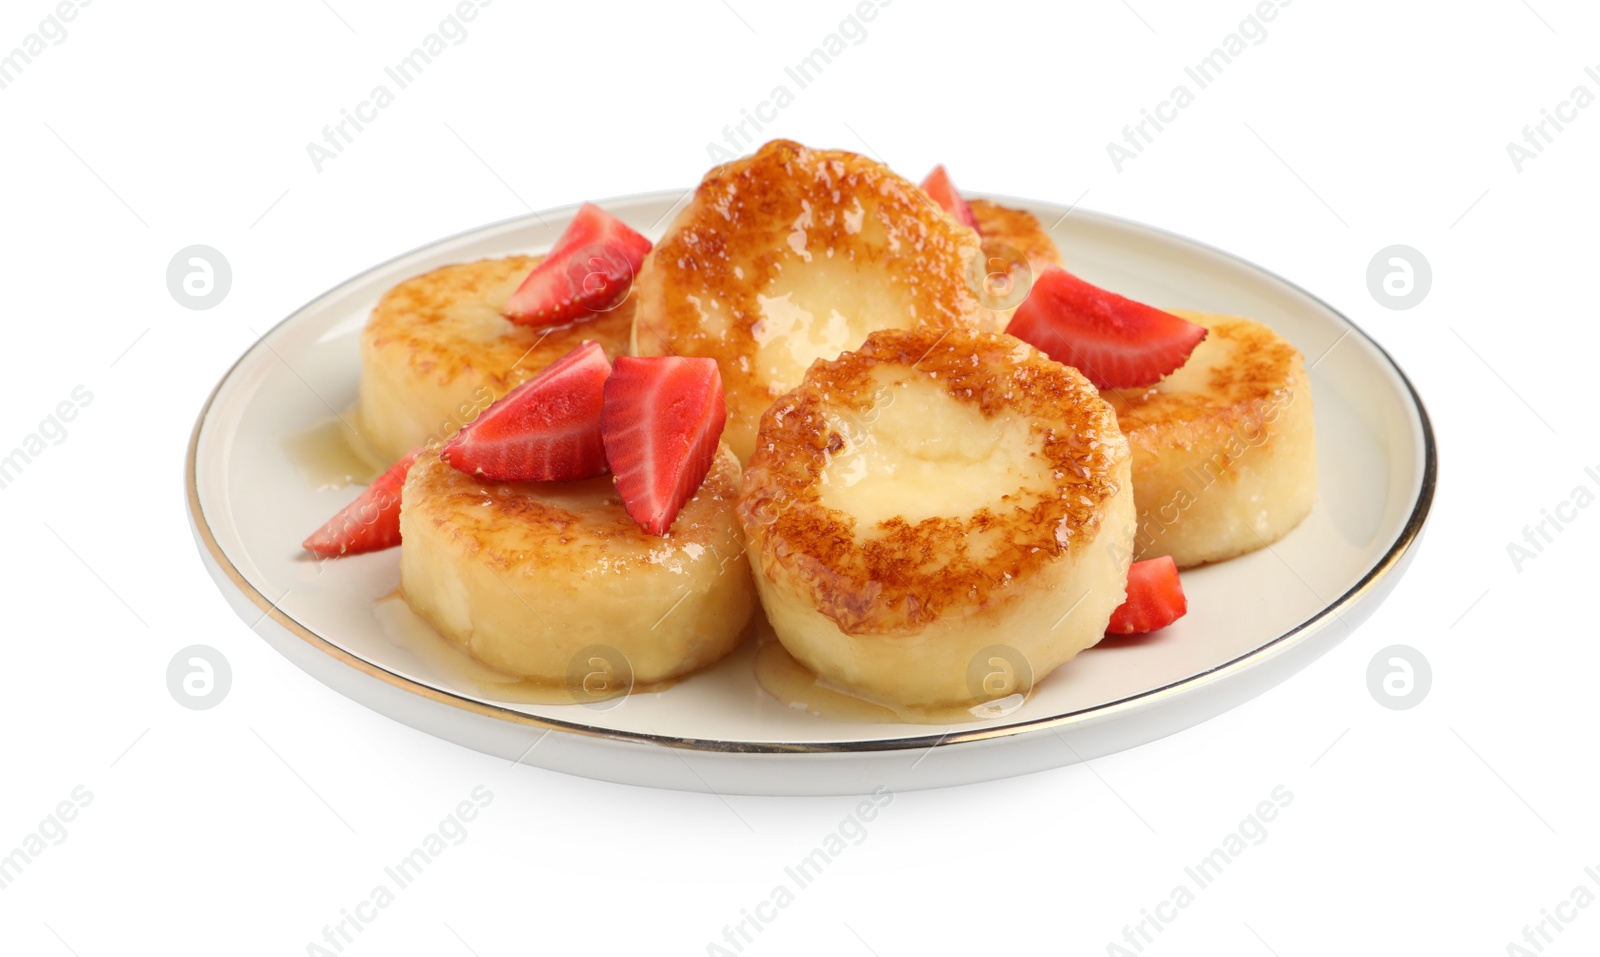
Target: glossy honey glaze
pixel 332 455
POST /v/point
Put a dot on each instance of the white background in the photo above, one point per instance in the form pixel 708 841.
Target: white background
pixel 247 828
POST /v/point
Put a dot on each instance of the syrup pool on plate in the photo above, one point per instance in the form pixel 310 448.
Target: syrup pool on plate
pixel 456 669
pixel 330 455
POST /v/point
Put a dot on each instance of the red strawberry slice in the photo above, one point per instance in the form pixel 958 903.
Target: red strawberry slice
pixel 943 191
pixel 590 270
pixel 545 430
pixel 1155 598
pixel 1116 342
pixel 369 524
pixel 662 419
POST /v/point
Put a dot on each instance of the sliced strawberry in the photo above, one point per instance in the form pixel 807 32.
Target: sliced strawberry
pixel 1116 342
pixel 662 419
pixel 1155 598
pixel 369 524
pixel 545 430
pixel 943 191
pixel 590 270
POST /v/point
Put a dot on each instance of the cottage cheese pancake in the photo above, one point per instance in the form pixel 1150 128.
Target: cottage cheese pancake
pixel 436 351
pixel 793 255
pixel 1224 455
pixel 525 575
pixel 932 495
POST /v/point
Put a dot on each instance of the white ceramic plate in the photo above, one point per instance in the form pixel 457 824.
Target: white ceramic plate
pixel 1252 621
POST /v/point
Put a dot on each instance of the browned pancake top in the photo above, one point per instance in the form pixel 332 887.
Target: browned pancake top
pixel 898 577
pixel 531 526
pixel 782 213
pixel 1015 228
pixel 448 321
pixel 1238 394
